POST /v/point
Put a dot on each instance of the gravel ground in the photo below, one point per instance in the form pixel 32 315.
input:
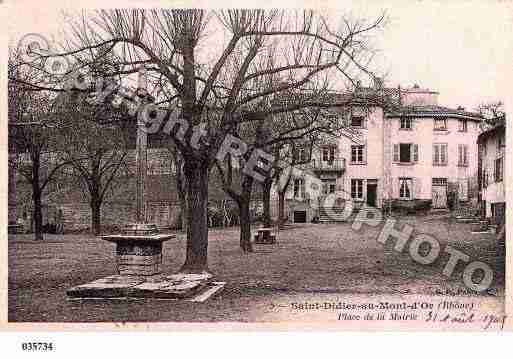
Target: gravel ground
pixel 319 260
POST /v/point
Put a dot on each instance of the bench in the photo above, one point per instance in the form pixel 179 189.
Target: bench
pixel 264 236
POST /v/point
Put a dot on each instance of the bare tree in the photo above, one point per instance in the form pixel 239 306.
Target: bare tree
pixel 189 64
pixel 97 152
pixel 493 113
pixel 31 140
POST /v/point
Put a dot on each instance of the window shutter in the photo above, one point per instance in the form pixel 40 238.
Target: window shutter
pixel 415 152
pixel 396 152
pixel 395 187
pixel 435 154
pixel 444 154
pixel 417 187
pixel 463 189
pixel 465 155
pixel 460 155
pixel 364 155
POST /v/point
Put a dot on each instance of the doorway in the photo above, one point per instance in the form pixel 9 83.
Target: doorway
pixel 372 192
pixel 299 216
pixel 439 189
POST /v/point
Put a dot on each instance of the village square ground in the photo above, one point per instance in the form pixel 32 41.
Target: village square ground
pixel 310 262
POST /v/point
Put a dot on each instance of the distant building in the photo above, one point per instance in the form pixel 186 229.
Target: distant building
pixel 492 159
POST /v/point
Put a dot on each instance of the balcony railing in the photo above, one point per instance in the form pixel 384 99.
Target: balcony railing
pixel 336 165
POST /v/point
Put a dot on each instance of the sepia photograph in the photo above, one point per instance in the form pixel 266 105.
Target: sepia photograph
pixel 340 167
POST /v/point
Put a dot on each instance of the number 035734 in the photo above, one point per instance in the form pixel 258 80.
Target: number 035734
pixel 36 346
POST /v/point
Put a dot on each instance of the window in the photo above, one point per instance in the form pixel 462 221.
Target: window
pixel 482 149
pixel 301 155
pixel 485 178
pixel 328 154
pixel 440 124
pixel 462 155
pixel 405 188
pixel 357 188
pixel 357 121
pixel 328 186
pixel 406 123
pixel 357 154
pixel 299 188
pixel 406 152
pixel 440 154
pixel 462 125
pixel 498 170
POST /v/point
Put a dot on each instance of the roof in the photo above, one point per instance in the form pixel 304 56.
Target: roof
pixel 434 111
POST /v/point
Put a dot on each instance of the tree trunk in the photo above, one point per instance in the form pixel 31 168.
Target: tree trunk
pixel 96 216
pixel 183 217
pixel 245 218
pixel 245 227
pixel 196 182
pixel 180 187
pixel 181 196
pixel 38 213
pixel 36 197
pixel 281 208
pixel 266 198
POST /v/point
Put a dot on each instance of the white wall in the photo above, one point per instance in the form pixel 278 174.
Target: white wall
pixel 423 171
pixel 373 169
pixel 495 191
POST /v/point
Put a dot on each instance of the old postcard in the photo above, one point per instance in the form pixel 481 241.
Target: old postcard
pixel 340 166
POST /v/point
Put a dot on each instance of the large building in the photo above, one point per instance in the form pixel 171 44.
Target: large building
pixel 419 154
pixel 492 158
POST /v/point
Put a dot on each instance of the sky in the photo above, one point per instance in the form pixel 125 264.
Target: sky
pixel 462 49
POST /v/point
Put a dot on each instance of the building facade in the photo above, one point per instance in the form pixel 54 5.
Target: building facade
pixel 420 154
pixel 492 160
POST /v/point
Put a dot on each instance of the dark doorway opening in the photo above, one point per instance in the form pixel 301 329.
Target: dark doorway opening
pixel 372 192
pixel 299 216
